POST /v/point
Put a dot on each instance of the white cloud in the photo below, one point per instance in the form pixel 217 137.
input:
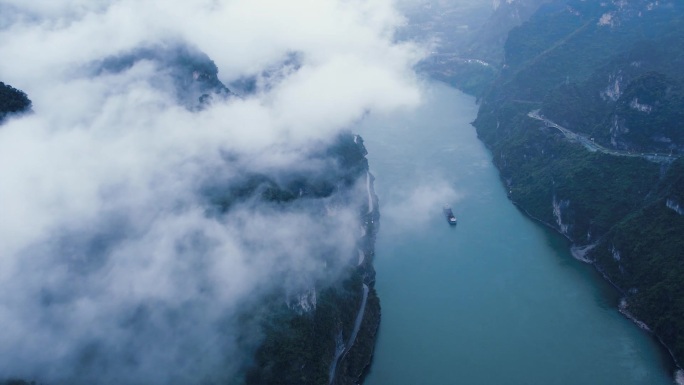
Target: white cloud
pixel 414 208
pixel 106 232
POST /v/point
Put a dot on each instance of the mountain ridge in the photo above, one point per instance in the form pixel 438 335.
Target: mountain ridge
pixel 596 69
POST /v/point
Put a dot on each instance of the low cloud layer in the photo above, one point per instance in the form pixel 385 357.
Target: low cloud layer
pixel 414 208
pixel 113 266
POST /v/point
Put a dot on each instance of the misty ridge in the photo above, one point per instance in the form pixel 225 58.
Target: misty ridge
pixel 150 213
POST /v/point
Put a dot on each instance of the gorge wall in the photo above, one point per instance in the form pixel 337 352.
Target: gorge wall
pixel 584 124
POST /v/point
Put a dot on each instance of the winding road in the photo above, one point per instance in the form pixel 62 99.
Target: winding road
pixel 341 349
pixel 592 146
pixel 370 195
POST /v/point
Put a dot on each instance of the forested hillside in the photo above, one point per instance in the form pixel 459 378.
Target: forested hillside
pixel 585 125
pixel 12 101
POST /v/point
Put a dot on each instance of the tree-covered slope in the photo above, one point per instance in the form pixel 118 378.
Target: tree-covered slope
pixel 643 254
pixel 12 101
pixel 604 83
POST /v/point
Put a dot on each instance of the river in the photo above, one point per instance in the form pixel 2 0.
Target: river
pixel 498 299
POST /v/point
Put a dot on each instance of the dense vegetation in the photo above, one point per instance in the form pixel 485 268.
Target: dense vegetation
pixel 12 101
pixel 644 254
pixel 299 348
pixel 635 102
pixel 609 71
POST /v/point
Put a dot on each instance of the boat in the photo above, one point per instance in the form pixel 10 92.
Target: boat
pixel 449 215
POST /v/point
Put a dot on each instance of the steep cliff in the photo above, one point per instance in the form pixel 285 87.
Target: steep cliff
pixel 325 334
pixel 584 123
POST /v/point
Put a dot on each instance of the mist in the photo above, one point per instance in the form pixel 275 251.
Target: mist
pixel 115 265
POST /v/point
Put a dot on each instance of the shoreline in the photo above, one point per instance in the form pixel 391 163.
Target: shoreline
pixel 678 374
pixel 356 360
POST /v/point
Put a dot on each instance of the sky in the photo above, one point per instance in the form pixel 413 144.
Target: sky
pixel 111 266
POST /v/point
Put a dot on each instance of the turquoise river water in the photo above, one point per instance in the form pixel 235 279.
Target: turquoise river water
pixel 497 299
